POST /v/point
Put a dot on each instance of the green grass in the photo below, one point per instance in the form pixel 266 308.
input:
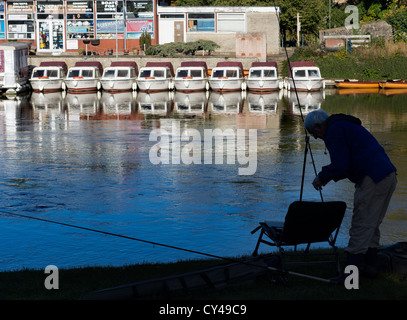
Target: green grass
pixel 76 282
pixel 378 62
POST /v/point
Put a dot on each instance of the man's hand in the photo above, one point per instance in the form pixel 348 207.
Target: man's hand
pixel 318 184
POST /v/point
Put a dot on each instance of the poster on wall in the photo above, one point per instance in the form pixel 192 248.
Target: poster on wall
pixel 136 27
pixel 107 29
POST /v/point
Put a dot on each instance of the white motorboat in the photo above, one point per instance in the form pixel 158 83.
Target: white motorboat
pixel 191 76
pixel 227 76
pixel 49 76
pixel 156 76
pixel 120 76
pixel 84 76
pixel 14 68
pixel 307 77
pixel 263 76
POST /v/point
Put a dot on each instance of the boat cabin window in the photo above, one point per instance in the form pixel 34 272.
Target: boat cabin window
pixel 182 73
pixel 52 73
pixel 109 74
pixel 196 73
pixel 39 73
pixel 299 74
pixel 231 73
pixel 145 73
pixel 255 74
pixel 269 73
pixel 87 73
pixel 313 73
pixel 123 73
pixel 218 74
pixel 73 73
pixel 159 73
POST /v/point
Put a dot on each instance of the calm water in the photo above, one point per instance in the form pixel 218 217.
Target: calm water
pixel 84 160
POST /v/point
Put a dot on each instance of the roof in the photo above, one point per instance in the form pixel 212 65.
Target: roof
pixel 264 64
pixel 131 64
pixel 230 64
pixel 96 64
pixel 14 45
pixel 161 64
pixel 194 64
pixel 61 64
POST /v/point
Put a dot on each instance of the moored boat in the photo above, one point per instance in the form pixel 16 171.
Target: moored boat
pixel 84 76
pixel 14 68
pixel 263 76
pixel 356 84
pixel 191 76
pixel 49 76
pixel 227 76
pixel 393 84
pixel 156 76
pixel 305 76
pixel 120 76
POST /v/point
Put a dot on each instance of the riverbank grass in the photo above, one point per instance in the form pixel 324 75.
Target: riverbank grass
pixel 76 282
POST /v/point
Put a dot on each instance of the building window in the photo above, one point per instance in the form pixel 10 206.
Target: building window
pixel 2 21
pixel 79 20
pixel 50 10
pixel 201 22
pixel 109 20
pixel 231 22
pixel 140 14
pixel 20 20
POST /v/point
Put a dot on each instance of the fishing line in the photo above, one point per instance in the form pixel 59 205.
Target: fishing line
pixel 165 245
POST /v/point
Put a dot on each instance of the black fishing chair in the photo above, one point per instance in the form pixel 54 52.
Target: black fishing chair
pixel 305 223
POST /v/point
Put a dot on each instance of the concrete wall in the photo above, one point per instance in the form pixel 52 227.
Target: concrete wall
pixel 265 23
pixel 375 29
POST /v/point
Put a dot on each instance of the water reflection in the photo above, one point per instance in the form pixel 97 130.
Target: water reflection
pixel 68 158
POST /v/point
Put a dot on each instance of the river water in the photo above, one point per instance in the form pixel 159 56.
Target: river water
pixel 90 160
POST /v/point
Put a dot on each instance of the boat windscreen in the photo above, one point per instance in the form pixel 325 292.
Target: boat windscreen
pixel 38 73
pixel 255 73
pixel 196 73
pixel 145 73
pixel 108 74
pixel 122 73
pixel 182 73
pixel 269 73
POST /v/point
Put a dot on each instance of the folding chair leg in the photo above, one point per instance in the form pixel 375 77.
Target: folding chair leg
pixel 255 252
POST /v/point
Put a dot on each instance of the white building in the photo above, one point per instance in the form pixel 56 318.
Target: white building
pixel 246 31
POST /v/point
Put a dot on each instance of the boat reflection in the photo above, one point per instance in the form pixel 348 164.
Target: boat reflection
pixel 157 103
pixel 139 105
pixel 191 103
pixel 226 103
pixel 263 103
pixel 309 101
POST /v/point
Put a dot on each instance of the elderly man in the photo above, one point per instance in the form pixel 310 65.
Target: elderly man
pixel 356 155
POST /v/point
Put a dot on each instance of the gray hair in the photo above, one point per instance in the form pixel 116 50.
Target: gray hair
pixel 315 118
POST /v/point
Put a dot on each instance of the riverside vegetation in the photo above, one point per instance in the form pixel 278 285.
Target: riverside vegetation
pixel 76 282
pixel 380 61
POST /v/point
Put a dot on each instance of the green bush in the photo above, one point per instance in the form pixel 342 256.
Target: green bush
pixel 174 49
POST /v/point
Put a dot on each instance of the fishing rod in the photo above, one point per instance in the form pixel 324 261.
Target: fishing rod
pixel 164 245
pixel 307 138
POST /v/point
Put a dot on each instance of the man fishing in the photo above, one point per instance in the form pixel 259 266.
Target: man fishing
pixel 356 155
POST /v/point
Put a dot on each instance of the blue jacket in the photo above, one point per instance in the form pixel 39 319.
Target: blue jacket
pixel 354 152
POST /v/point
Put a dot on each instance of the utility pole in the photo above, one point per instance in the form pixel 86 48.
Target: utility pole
pixel 298 29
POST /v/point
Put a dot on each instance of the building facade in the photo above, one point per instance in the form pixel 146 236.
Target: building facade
pixel 230 27
pixel 59 26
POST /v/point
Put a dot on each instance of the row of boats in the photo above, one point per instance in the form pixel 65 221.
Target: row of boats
pixel 87 76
